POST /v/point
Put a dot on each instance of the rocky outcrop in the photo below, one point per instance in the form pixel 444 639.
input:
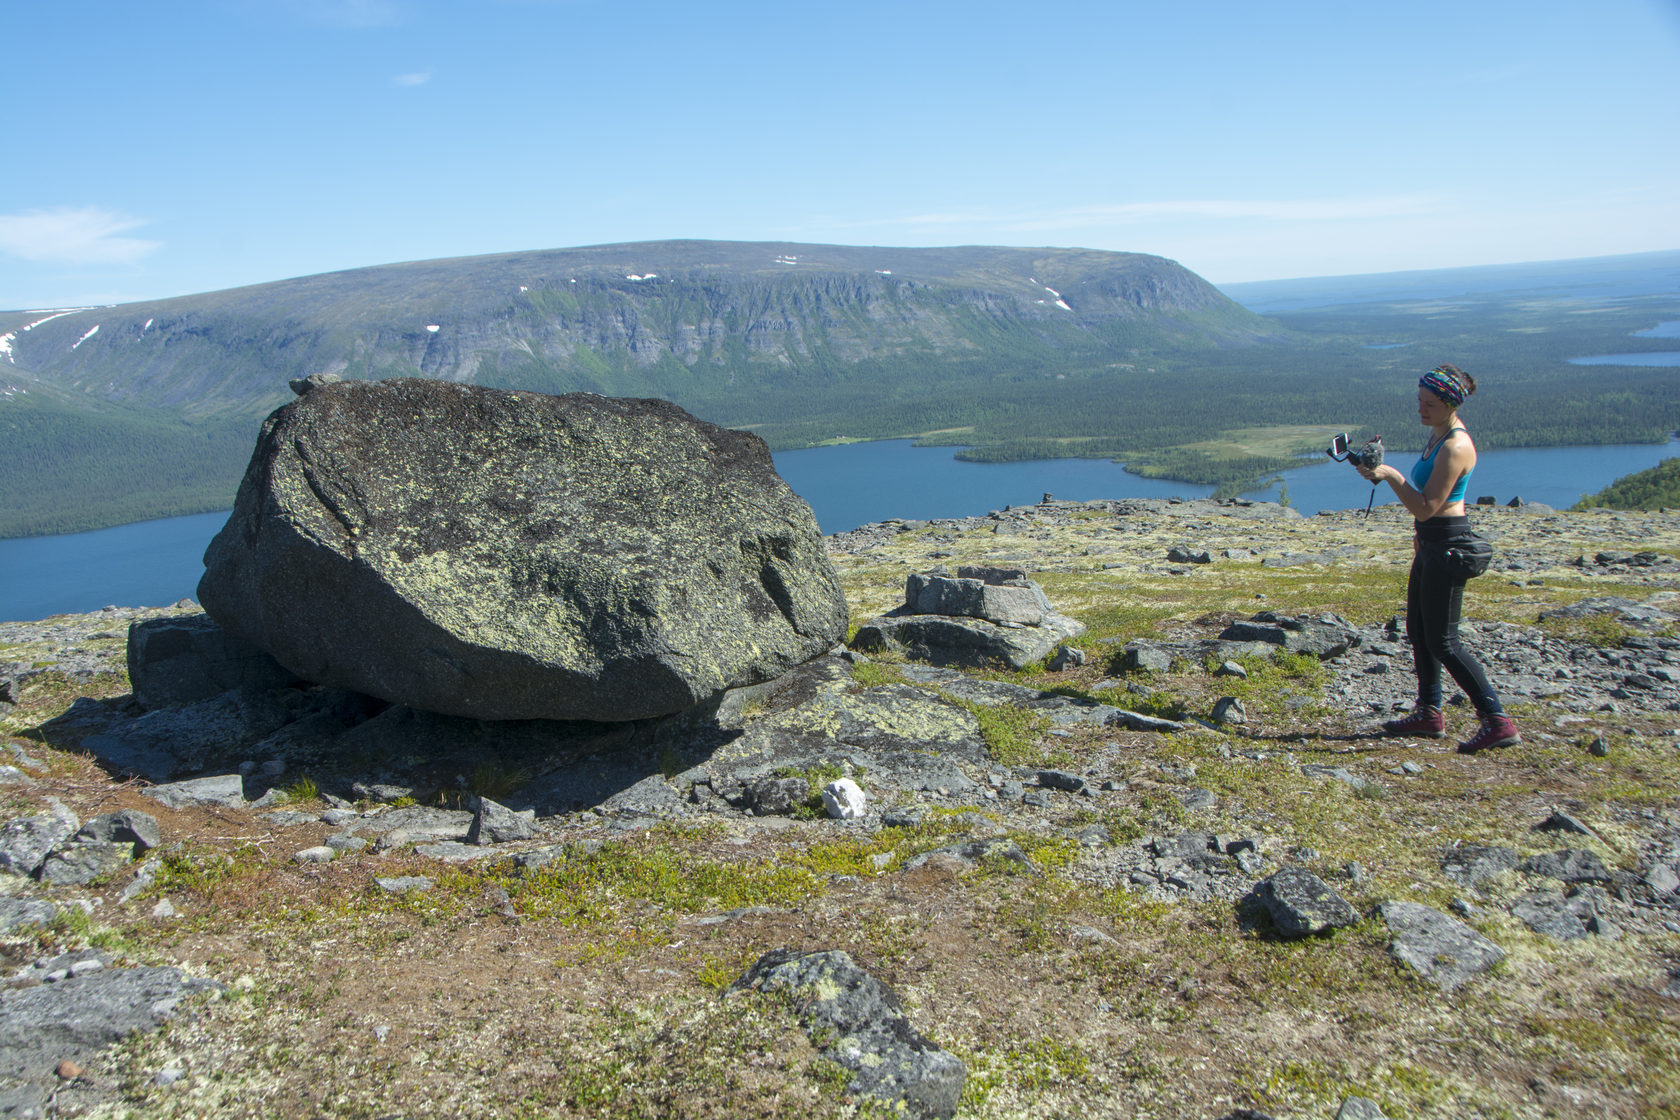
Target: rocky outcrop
pixel 504 555
pixel 983 616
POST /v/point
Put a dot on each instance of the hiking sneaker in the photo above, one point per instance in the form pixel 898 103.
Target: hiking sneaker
pixel 1423 723
pixel 1496 731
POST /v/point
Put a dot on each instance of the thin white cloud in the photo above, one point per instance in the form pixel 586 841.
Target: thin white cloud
pixel 419 78
pixel 73 235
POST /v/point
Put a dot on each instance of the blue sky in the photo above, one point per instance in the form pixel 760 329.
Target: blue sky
pixel 161 149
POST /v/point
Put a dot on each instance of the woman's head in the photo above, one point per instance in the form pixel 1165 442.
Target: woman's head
pixel 1448 383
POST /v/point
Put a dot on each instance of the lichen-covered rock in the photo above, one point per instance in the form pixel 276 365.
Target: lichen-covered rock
pixel 864 1029
pixel 1301 904
pixel 1444 951
pixel 26 841
pixel 503 555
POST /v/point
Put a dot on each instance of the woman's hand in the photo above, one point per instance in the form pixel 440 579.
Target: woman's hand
pixel 1383 473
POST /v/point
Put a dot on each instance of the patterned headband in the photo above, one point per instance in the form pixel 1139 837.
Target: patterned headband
pixel 1443 385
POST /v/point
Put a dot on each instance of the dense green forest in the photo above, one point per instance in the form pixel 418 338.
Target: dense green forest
pixel 1657 488
pixel 96 467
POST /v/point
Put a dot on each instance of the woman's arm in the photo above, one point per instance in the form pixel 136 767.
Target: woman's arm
pixel 1453 459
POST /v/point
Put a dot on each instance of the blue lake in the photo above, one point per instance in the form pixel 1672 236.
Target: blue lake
pixel 154 563
pixel 1649 358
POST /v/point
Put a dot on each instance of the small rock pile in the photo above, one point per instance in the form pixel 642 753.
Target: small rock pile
pixel 983 616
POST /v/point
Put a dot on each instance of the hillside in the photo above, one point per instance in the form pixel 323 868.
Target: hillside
pixel 1657 488
pixel 1070 905
pixel 684 318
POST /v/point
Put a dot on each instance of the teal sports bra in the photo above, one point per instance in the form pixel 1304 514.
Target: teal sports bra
pixel 1424 467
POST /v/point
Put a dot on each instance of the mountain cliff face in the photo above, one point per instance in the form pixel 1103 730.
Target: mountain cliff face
pixel 683 318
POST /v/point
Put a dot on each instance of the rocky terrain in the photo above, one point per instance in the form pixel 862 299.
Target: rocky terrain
pixel 1167 870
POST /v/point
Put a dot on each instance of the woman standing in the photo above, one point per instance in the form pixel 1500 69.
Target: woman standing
pixel 1434 494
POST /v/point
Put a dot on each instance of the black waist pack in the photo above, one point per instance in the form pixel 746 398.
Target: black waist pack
pixel 1468 556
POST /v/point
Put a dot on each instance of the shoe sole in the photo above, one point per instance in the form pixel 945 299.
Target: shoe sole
pixel 1497 744
pixel 1387 734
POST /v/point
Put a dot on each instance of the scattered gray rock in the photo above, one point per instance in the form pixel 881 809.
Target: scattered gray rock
pixel 861 1026
pixel 1564 917
pixel 974 852
pixel 1301 904
pixel 26 841
pixel 1359 1108
pixel 126 826
pixel 83 1013
pixel 1182 555
pixel 319 854
pixel 1324 637
pixel 17 913
pixel 494 823
pixel 227 790
pixel 1229 709
pixel 1572 865
pixel 634 562
pixel 403 884
pixel 1335 773
pixel 777 797
pixel 1469 864
pixel 1444 951
pixel 85 861
pixel 1061 779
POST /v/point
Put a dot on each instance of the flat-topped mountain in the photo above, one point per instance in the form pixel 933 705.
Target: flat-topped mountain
pixel 692 320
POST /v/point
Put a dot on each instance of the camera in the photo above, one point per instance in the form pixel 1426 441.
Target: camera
pixel 1370 456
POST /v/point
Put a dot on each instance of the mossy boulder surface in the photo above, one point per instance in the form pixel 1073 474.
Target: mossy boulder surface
pixel 510 555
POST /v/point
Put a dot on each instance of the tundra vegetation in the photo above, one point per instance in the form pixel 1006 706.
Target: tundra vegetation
pixel 592 986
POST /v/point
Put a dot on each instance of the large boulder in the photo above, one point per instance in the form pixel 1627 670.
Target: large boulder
pixel 506 555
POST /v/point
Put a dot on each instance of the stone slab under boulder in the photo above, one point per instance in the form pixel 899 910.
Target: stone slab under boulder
pixel 507 555
pixel 186 658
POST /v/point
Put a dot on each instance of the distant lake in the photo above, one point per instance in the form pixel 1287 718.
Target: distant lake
pixel 1669 329
pixel 1649 358
pixel 154 563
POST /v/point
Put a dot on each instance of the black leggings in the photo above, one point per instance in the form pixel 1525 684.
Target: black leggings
pixel 1434 597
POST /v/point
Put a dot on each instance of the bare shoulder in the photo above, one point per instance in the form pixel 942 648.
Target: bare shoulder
pixel 1458 446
